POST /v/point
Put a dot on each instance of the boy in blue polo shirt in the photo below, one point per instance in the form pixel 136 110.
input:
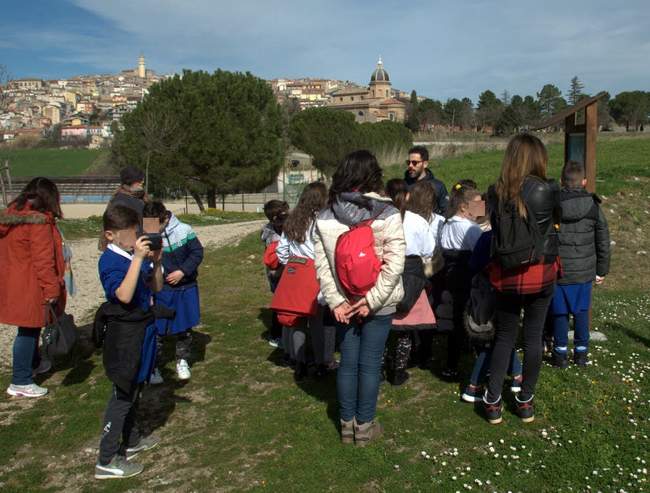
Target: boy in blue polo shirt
pixel 129 272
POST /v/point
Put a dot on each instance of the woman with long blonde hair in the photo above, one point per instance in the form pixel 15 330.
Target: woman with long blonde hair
pixel 522 186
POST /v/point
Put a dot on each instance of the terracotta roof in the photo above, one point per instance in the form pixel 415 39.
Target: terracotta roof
pixel 354 90
pixel 392 101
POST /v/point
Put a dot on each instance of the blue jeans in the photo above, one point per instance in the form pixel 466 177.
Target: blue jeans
pixel 25 355
pixel 362 346
pixel 580 331
pixel 482 365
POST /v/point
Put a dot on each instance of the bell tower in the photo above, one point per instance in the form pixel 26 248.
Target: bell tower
pixel 142 71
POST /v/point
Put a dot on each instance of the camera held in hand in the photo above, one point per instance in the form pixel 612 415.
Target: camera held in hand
pixel 156 240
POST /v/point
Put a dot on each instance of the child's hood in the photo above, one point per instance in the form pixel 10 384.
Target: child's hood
pixel 173 223
pixel 354 207
pixel 577 203
pixel 267 231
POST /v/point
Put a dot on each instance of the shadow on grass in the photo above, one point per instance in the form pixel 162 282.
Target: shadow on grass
pixel 265 316
pixel 325 391
pixel 158 402
pixel 630 333
pixel 80 364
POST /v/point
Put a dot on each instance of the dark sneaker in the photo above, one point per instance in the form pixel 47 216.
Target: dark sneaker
pixel 401 378
pixel 301 372
pixel 525 409
pixel 118 467
pixel 366 433
pixel 425 364
pixel 493 410
pixel 146 443
pixel 581 358
pixel 560 360
pixel 286 359
pixel 43 367
pixel 515 384
pixel 473 394
pixel 321 372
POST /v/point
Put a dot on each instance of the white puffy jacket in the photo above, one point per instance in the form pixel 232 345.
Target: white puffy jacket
pixel 334 220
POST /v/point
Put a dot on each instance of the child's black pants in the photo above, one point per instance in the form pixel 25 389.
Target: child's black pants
pixel 120 420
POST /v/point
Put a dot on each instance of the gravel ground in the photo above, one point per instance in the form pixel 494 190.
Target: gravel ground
pixel 89 291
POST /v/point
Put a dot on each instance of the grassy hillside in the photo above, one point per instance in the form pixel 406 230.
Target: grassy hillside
pixel 242 424
pixel 54 162
pixel 619 162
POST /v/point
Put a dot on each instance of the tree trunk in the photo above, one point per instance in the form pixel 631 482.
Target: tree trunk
pixel 198 200
pixel 212 198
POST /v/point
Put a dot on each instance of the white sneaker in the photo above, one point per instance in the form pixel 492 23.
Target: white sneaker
pixel 183 370
pixel 31 390
pixel 156 377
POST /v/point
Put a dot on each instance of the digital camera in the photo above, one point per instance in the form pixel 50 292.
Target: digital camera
pixel 156 240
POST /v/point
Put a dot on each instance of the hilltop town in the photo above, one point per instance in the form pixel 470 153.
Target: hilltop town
pixel 88 108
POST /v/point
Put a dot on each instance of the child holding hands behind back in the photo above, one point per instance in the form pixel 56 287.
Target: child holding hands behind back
pixel 129 272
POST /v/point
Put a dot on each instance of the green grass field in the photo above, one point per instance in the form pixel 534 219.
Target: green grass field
pixel 242 424
pixel 54 162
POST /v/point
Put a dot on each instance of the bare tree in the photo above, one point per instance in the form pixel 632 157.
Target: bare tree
pixel 157 130
pixel 5 97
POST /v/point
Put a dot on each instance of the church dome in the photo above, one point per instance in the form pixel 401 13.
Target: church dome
pixel 379 75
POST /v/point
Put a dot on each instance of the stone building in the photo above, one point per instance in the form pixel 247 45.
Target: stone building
pixel 373 103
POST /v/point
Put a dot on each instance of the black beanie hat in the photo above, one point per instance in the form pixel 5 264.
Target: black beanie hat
pixel 130 174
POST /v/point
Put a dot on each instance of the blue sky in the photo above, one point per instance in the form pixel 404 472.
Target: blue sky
pixel 442 49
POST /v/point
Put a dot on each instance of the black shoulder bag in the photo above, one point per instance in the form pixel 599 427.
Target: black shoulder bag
pixel 59 337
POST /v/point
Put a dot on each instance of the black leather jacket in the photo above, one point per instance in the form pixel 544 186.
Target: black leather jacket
pixel 543 197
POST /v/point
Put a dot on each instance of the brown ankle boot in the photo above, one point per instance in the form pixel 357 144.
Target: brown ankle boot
pixel 347 432
pixel 366 433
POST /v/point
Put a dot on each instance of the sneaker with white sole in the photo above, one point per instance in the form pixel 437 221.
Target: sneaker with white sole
pixel 118 467
pixel 156 377
pixel 145 443
pixel 515 384
pixel 31 390
pixel 473 393
pixel 183 370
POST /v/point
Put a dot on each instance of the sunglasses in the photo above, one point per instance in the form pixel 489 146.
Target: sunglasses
pixel 414 163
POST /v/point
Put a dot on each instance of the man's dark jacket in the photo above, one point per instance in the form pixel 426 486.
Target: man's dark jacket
pixel 584 238
pixel 442 197
pixel 121 329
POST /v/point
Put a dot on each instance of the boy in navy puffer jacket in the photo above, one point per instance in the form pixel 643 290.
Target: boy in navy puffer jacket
pixel 585 253
pixel 182 255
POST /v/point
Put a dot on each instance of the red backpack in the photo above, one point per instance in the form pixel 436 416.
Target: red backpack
pixel 357 264
pixel 271 256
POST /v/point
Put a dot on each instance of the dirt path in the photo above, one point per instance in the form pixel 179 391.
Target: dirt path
pixel 89 291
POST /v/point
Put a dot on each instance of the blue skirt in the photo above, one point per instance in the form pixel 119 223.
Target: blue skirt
pixel 573 298
pixel 186 304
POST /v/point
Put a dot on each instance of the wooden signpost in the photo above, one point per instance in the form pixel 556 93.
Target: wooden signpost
pixel 579 139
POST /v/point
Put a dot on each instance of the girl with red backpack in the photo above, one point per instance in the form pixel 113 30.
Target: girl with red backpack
pixel 297 293
pixel 362 319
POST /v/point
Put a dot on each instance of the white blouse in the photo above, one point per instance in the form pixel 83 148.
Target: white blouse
pixel 419 236
pixel 460 233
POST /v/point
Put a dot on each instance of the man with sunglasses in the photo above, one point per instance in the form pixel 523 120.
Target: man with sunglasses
pixel 417 170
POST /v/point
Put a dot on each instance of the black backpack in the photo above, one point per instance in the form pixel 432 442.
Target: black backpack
pixel 517 241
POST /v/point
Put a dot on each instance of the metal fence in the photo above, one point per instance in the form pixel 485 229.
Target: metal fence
pixel 98 189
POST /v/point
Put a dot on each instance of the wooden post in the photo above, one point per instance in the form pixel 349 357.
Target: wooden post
pixel 591 129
